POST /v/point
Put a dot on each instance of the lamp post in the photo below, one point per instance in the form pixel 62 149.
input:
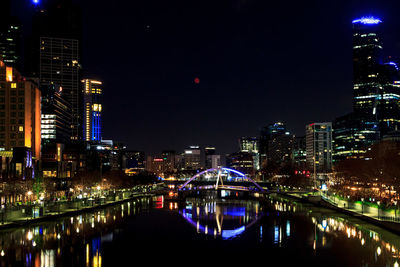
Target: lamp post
pixel 395 209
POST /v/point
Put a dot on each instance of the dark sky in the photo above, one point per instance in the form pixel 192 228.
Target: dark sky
pixel 258 62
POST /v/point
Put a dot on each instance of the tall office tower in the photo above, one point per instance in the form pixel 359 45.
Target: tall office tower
pixel 169 160
pixel 193 158
pixel 367 59
pixel 376 87
pixel 19 112
pixel 241 161
pixel 250 145
pixel 10 36
pixel 268 133
pixel 54 54
pixel 93 110
pixel 319 146
pixel 56 116
pixel 299 153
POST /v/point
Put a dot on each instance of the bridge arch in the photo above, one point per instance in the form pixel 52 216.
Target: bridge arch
pixel 219 171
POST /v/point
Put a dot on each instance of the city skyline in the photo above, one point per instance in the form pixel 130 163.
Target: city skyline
pixel 166 48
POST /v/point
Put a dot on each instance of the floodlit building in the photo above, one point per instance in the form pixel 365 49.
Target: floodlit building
pixel 93 110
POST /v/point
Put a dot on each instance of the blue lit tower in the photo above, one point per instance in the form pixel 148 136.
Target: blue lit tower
pixel 376 87
pixel 93 110
pixel 367 59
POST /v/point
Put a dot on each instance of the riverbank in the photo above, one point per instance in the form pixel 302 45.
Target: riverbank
pixel 393 227
pixel 27 221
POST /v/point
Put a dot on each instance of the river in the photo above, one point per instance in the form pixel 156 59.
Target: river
pixel 202 231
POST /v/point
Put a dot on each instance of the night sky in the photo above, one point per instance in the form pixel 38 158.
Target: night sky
pixel 258 61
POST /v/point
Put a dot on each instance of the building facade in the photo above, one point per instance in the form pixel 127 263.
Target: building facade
pixel 93 110
pixel 319 146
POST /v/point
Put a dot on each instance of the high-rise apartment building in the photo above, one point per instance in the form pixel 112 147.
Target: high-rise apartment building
pixel 319 146
pixel 20 112
pixel 56 116
pixel 54 54
pixel 93 110
pixel 251 145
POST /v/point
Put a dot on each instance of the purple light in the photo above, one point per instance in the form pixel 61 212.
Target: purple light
pixel 367 20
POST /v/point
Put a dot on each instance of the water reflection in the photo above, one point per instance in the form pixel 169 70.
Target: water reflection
pixel 227 219
pixel 274 226
pixel 69 241
pixel 367 245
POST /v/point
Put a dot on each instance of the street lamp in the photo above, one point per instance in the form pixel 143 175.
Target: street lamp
pixel 395 209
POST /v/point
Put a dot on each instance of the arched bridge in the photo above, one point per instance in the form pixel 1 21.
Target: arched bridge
pixel 221 175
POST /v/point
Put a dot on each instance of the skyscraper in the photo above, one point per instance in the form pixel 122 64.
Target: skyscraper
pixel 93 110
pixel 376 92
pixel 251 145
pixel 10 37
pixel 56 116
pixel 20 113
pixel 319 146
pixel 54 54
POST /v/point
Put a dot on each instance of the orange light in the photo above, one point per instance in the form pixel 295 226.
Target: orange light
pixel 9 74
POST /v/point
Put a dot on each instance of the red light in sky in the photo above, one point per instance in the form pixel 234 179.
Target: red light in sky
pixel 196 80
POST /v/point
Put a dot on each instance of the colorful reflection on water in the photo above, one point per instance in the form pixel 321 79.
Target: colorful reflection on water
pixel 272 227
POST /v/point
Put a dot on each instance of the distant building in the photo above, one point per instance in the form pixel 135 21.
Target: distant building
pixel 241 161
pixel 169 160
pixel 319 146
pixel 213 162
pixel 299 153
pixel 193 158
pixel 93 110
pixel 251 145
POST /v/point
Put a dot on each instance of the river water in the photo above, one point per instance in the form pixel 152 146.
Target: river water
pixel 202 231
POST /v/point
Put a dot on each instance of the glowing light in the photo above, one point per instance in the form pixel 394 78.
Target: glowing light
pixel 196 80
pixel 392 64
pixel 35 2
pixel 367 20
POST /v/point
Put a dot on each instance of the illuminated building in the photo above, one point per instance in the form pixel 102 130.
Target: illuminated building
pixel 169 160
pixel 267 134
pixel 250 145
pixel 376 90
pixel 56 116
pixel 241 161
pixel 299 153
pixel 193 158
pixel 133 162
pixel 10 39
pixel 319 146
pixel 54 53
pixel 20 113
pixel 93 110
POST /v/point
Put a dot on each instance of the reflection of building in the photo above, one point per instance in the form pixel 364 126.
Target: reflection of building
pixel 93 110
pixel 19 112
pixel 241 161
pixel 250 145
pixel 319 146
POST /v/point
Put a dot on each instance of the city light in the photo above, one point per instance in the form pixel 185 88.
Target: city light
pixel 36 2
pixel 367 20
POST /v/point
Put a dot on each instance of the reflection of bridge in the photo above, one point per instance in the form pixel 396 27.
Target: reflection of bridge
pixel 231 178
